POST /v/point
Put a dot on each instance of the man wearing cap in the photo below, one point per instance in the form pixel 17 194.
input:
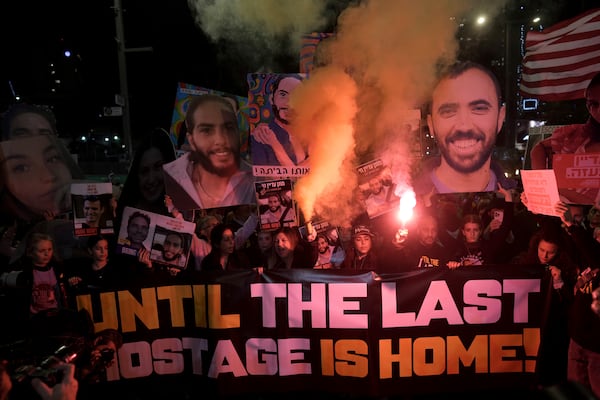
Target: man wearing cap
pixel 362 256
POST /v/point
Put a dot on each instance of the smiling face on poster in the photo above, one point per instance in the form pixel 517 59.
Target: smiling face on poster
pixel 92 209
pixel 275 205
pixel 136 231
pixel 171 247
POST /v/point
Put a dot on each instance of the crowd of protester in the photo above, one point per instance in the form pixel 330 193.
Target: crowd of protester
pixel 44 266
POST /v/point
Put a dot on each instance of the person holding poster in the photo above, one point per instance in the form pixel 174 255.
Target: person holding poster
pixel 466 115
pixel 573 139
pixel 223 255
pixel 577 138
pixel 209 175
pixel 271 143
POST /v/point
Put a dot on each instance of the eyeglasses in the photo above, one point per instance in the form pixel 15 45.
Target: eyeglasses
pixel 589 103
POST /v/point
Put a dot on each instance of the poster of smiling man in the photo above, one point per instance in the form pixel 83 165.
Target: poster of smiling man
pixel 275 205
pixel 93 213
pixel 171 242
pixel 185 92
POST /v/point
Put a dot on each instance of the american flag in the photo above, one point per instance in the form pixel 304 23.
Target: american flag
pixel 560 61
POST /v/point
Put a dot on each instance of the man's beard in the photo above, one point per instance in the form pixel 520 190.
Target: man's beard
pixel 479 160
pixel 277 116
pixel 173 258
pixel 275 209
pixel 198 156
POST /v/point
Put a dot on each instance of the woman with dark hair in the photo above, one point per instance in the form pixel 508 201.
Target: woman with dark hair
pixel 547 247
pixel 292 251
pixel 363 256
pixel 223 255
pixel 144 187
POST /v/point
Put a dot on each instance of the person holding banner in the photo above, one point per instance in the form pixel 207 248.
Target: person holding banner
pixel 547 248
pixel 421 250
pixel 98 272
pixel 292 251
pixel 475 250
pixel 223 255
pixel 362 256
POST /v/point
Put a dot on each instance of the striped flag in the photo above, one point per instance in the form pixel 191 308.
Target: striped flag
pixel 560 61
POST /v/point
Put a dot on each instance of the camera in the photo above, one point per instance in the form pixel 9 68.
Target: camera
pixel 46 369
pixel 13 280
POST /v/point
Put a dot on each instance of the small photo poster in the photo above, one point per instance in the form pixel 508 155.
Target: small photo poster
pixel 275 205
pixel 171 242
pixel 93 212
pixel 376 189
pixel 326 237
pixel 167 239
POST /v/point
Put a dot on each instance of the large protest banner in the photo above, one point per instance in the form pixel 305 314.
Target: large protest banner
pixel 431 330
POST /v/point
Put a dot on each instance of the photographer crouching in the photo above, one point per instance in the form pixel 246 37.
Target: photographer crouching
pixel 62 358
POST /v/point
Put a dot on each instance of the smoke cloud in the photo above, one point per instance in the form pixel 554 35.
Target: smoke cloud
pixel 259 30
pixel 391 50
pixel 380 64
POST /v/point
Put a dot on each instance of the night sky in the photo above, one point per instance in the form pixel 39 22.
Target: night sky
pixel 36 34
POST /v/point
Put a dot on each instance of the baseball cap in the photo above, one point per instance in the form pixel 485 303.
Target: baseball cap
pixel 362 230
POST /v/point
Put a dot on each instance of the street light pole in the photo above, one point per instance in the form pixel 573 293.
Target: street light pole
pixel 123 76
